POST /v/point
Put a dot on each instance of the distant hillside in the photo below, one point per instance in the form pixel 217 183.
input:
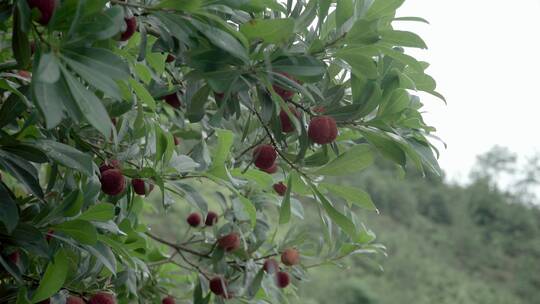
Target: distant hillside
pixel 446 244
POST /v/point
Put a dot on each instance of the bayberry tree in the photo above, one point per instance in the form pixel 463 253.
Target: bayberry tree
pixel 109 107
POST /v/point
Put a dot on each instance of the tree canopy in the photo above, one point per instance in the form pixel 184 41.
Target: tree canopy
pixel 236 110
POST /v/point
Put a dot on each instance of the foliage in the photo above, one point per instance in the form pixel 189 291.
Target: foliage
pixel 176 96
pixel 446 243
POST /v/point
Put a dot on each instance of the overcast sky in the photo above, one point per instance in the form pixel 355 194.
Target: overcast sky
pixel 485 56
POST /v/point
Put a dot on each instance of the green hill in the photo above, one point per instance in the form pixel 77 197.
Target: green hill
pixel 446 244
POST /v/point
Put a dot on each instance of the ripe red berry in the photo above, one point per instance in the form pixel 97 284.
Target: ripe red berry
pixel 49 235
pixel 264 156
pixel 131 26
pixel 173 100
pixel 170 58
pixel 24 74
pixel 74 300
pixel 322 130
pixel 111 164
pixel 290 257
pixel 218 286
pixel 287 125
pixel 280 188
pixel 46 301
pixel 15 257
pixel 194 219
pixel 176 140
pixel 211 218
pixel 271 266
pixel 141 187
pixel 102 298
pixel 282 279
pixel 273 169
pixel 229 242
pixel 46 9
pixel 112 182
pixel 219 96
pixel 168 300
pixel 284 93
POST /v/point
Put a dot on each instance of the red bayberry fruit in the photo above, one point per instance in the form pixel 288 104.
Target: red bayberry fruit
pixel 282 279
pixel 74 300
pixel 176 140
pixel 170 58
pixel 211 218
pixel 141 187
pixel 273 169
pixel 173 100
pixel 219 96
pixel 15 257
pixel 271 266
pixel 102 298
pixel 46 9
pixel 290 257
pixel 281 91
pixel 264 156
pixel 218 286
pixel 112 182
pixel 49 235
pixel 24 74
pixel 131 26
pixel 280 188
pixel 194 219
pixel 46 301
pixel 229 242
pixel 168 300
pixel 112 164
pixel 287 125
pixel 322 130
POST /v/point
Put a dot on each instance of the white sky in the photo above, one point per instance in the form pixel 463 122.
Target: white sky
pixel 485 57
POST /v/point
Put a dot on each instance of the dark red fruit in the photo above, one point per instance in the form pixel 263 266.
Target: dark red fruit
pixel 170 58
pixel 45 7
pixel 211 218
pixel 282 279
pixel 287 125
pixel 322 130
pixel 290 257
pixel 24 74
pixel 176 140
pixel 219 97
pixel 46 301
pixel 218 286
pixel 319 109
pixel 194 219
pixel 264 156
pixel 74 300
pixel 273 169
pixel 173 100
pixel 112 182
pixel 49 235
pixel 111 164
pixel 229 242
pixel 168 300
pixel 280 188
pixel 141 187
pixel 271 266
pixel 15 257
pixel 102 298
pixel 284 93
pixel 131 26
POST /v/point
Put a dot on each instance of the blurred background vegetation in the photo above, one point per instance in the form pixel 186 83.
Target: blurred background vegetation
pixel 475 242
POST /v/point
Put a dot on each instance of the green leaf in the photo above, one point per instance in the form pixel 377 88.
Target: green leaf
pixel 105 255
pixel 91 107
pixel 255 284
pixel 341 220
pixel 386 145
pixel 80 230
pixel 100 59
pixel 351 161
pixel 48 70
pixel 67 156
pixel 222 40
pixel 196 107
pixel 344 11
pixel 352 195
pixel 100 212
pixel 249 208
pixel 361 65
pixel 301 66
pixel 381 8
pixel 22 170
pixel 403 38
pixel 183 5
pixel 221 153
pixel 143 94
pixel 9 213
pixel 50 100
pixel 54 277
pixel 19 41
pixel 268 30
pixel 259 177
pixel 285 210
